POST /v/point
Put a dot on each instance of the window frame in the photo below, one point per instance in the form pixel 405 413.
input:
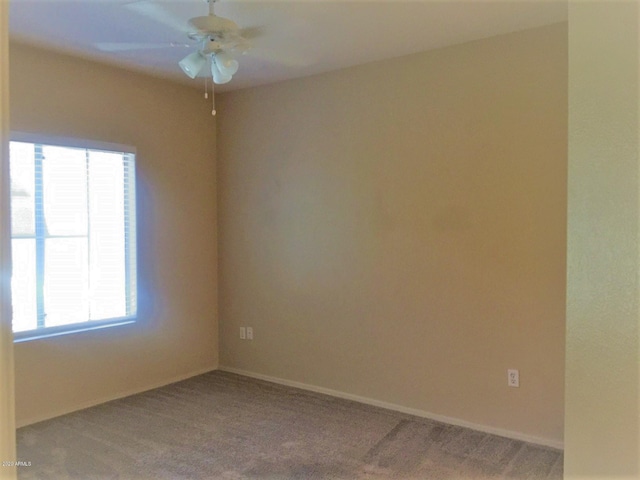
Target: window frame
pixel 130 201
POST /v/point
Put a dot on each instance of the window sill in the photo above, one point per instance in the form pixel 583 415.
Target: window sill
pixel 43 333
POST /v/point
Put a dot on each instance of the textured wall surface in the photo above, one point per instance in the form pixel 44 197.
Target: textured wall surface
pixel 397 230
pixel 174 133
pixel 603 305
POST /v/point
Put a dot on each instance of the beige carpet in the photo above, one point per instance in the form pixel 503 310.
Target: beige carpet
pixel 221 425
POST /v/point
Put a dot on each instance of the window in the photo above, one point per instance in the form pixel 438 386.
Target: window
pixel 72 236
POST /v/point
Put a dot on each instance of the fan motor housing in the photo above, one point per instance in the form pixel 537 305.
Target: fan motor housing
pixel 211 46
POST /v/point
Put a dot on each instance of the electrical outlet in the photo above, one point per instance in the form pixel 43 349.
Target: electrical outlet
pixel 249 333
pixel 243 333
pixel 513 378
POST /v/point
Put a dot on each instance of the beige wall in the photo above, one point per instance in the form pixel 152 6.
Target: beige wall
pixel 602 428
pixel 172 128
pixel 397 231
pixel 7 411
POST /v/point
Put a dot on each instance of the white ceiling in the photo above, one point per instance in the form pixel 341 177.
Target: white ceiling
pixel 297 37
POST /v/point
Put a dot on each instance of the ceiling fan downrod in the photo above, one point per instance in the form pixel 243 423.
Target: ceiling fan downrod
pixel 211 2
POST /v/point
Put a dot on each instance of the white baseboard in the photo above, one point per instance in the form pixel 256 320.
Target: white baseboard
pixel 116 396
pixel 399 408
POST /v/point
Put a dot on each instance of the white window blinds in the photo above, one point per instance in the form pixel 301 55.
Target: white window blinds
pixel 73 235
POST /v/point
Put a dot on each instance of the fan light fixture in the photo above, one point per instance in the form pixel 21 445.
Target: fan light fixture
pixel 226 63
pixel 193 64
pixel 219 76
pixel 216 35
pixel 223 65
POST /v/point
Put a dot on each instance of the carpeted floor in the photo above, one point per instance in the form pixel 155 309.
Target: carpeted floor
pixel 221 425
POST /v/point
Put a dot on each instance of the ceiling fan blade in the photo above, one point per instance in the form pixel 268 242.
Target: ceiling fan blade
pixel 124 47
pixel 157 12
pixel 251 33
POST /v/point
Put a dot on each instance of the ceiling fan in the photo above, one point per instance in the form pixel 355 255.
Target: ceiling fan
pixel 216 36
pixel 216 39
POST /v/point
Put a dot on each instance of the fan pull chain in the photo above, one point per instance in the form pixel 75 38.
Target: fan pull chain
pixel 213 101
pixel 206 87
